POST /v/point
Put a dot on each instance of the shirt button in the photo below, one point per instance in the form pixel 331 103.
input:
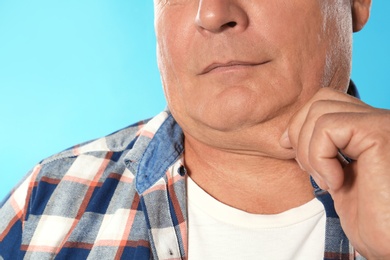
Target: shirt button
pixel 182 170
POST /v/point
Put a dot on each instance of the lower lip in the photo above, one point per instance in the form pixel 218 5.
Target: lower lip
pixel 231 75
pixel 232 68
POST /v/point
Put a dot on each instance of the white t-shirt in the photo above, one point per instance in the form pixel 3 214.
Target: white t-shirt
pixel 218 231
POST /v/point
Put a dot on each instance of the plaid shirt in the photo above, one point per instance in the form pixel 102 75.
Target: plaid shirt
pixel 119 197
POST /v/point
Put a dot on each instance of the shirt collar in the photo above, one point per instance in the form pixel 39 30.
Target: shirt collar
pixel 159 144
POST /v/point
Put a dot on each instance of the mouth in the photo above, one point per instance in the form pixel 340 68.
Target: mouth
pixel 230 65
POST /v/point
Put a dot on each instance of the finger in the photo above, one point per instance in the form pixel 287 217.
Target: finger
pixel 317 110
pixel 332 133
pixel 290 137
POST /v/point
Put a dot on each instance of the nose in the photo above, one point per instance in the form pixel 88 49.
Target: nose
pixel 220 15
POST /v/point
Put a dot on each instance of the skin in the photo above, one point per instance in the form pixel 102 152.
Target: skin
pixel 229 103
pixel 332 121
pixel 258 88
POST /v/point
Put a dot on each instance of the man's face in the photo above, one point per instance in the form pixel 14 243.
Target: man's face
pixel 228 65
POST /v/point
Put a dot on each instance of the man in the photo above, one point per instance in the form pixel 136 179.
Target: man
pixel 257 103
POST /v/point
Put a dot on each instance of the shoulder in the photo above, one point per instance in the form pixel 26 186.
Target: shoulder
pixel 90 155
pixel 82 175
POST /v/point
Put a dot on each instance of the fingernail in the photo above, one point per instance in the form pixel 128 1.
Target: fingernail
pixel 284 140
pixel 330 185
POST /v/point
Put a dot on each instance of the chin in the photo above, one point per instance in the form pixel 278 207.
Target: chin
pixel 228 119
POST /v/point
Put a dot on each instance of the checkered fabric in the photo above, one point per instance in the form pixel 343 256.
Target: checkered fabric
pixel 119 197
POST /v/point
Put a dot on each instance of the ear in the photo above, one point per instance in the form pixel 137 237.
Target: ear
pixel 360 13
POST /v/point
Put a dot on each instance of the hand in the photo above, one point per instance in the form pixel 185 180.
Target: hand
pixel 333 122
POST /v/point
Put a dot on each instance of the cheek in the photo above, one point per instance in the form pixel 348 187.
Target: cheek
pixel 172 79
pixel 172 56
pixel 167 63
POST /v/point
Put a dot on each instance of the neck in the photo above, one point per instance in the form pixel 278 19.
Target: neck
pixel 253 183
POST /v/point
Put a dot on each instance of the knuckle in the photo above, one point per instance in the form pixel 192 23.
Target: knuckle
pixel 317 106
pixel 322 123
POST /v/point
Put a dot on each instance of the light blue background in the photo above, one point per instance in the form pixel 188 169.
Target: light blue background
pixel 72 71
